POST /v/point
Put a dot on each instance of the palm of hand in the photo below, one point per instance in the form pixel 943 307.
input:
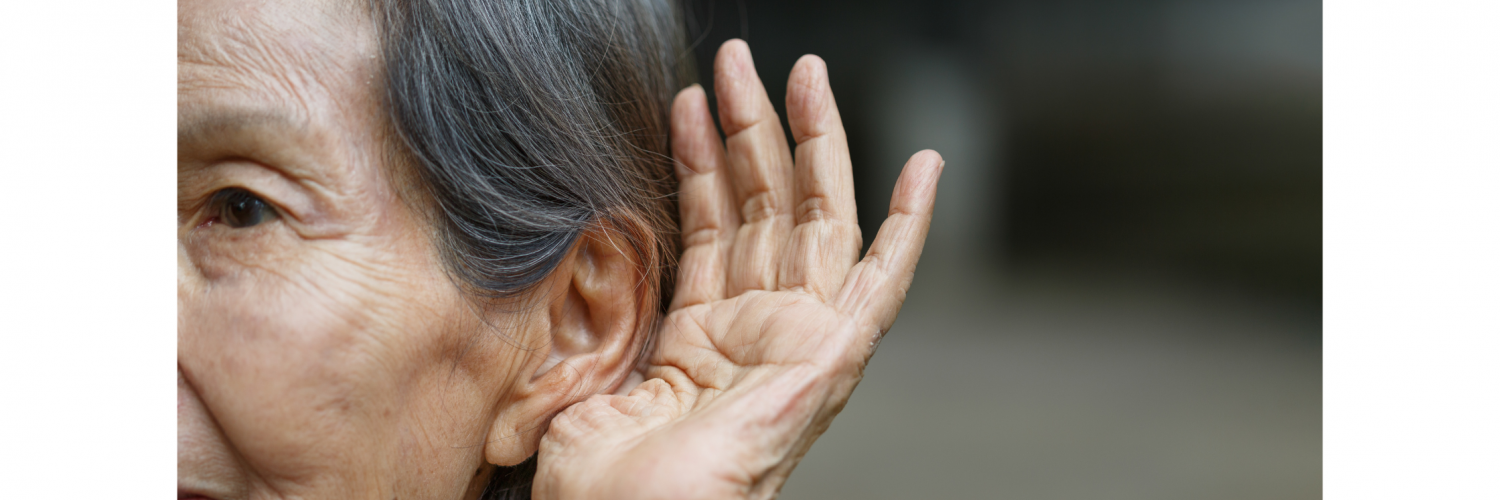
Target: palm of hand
pixel 773 319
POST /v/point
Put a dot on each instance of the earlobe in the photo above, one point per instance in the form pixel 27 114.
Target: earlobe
pixel 592 306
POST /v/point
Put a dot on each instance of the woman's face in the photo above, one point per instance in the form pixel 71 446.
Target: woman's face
pixel 322 352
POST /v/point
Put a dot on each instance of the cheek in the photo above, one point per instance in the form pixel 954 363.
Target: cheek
pixel 311 360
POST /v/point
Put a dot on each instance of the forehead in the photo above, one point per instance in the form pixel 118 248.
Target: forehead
pixel 297 58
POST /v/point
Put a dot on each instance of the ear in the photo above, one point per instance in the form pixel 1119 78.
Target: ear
pixel 592 303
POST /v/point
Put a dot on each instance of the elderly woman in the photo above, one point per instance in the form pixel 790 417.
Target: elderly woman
pixel 477 249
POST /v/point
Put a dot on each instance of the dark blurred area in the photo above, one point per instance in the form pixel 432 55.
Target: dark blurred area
pixel 1121 294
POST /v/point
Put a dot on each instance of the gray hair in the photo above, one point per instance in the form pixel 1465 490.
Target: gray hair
pixel 530 122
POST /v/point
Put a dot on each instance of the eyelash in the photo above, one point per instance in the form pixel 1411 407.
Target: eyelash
pixel 239 208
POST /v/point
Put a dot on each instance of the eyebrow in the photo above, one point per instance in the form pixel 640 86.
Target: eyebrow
pixel 204 126
pixel 232 131
pixel 270 138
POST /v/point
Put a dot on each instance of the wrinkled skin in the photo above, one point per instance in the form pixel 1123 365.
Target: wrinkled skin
pixel 301 338
pixel 775 315
pixel 323 352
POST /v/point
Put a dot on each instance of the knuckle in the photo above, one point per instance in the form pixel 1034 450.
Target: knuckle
pixel 812 209
pixel 702 236
pixel 759 206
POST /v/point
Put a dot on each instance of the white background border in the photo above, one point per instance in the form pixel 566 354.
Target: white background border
pixel 1411 205
pixel 1411 262
pixel 87 225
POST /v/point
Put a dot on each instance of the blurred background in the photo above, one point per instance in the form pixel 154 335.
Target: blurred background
pixel 1121 294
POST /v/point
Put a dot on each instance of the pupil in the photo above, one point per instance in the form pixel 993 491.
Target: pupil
pixel 242 209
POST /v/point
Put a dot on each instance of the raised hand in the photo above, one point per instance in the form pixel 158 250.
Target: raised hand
pixel 774 316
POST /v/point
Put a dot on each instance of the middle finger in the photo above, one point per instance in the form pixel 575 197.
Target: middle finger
pixel 761 162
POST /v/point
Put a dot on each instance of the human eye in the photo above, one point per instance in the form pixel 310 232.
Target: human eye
pixel 240 208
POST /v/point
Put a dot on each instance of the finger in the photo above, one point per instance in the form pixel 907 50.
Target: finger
pixel 758 155
pixel 876 287
pixel 825 241
pixel 705 201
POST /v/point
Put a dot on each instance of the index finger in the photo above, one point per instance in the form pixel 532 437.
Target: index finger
pixel 826 240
